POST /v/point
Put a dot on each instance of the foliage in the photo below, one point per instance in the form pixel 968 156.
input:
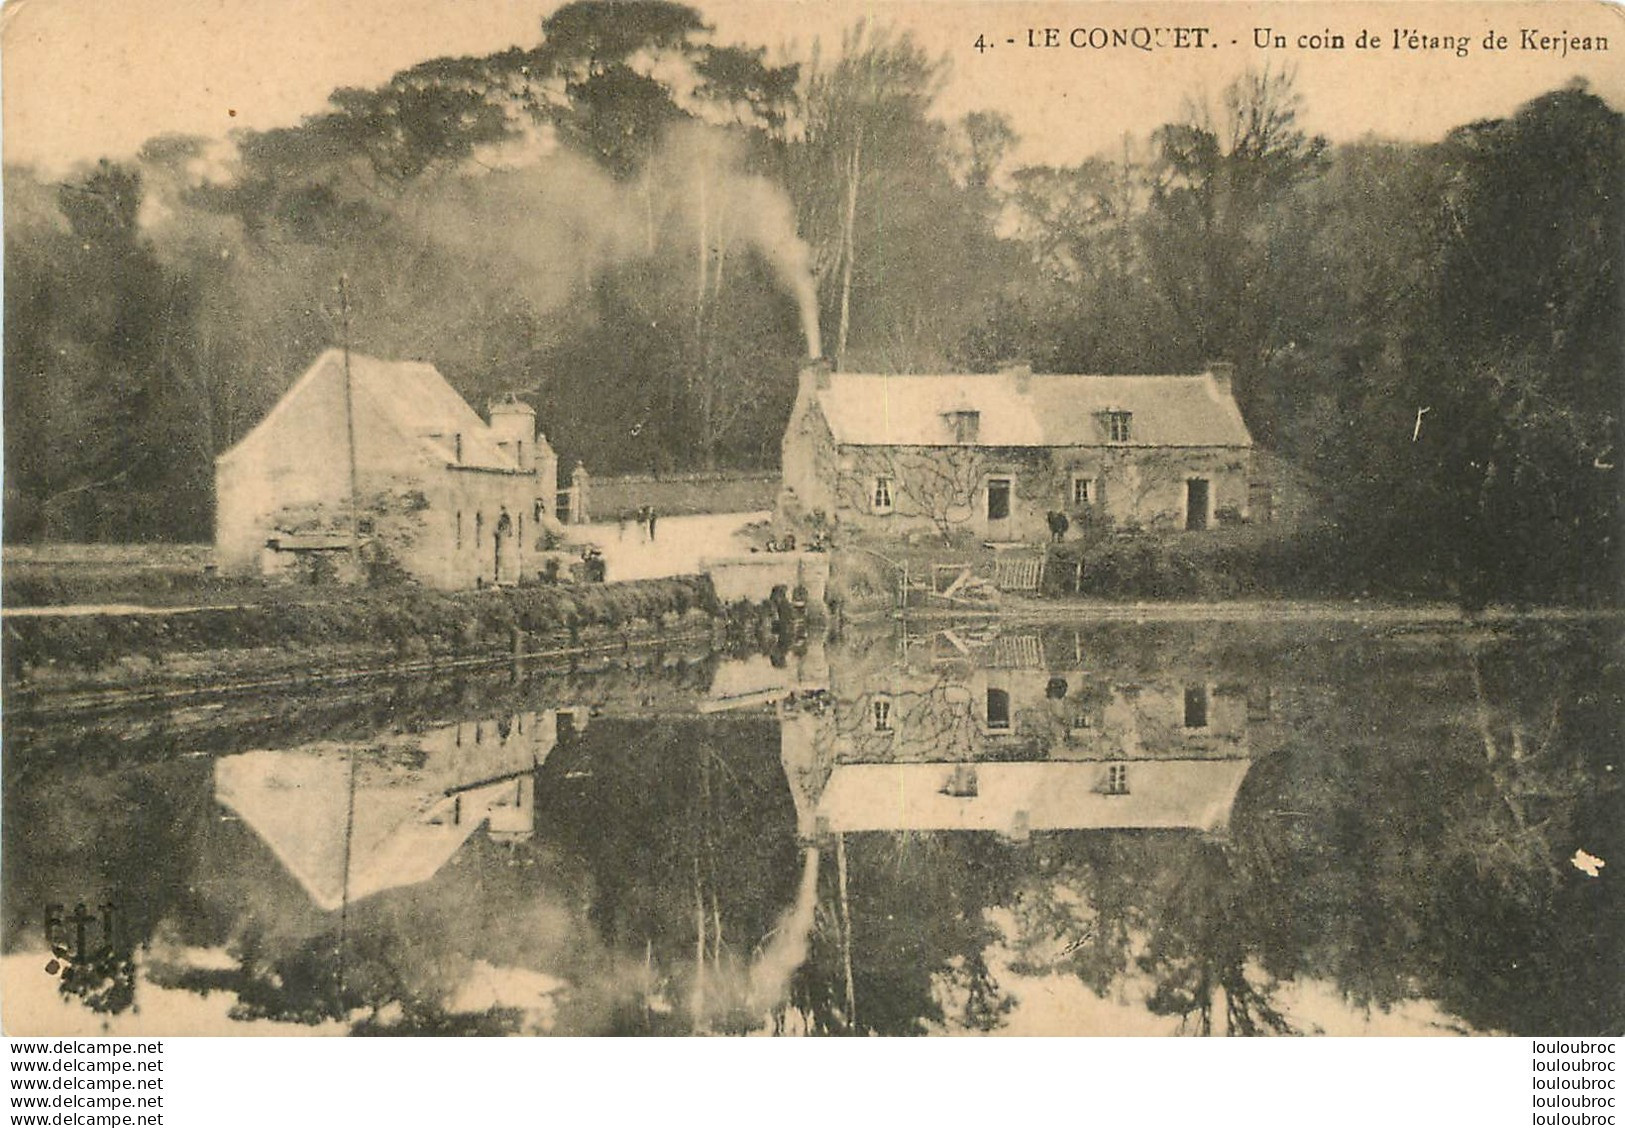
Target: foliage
pixel 638 228
pixel 408 621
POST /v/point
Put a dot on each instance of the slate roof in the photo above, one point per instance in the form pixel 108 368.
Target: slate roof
pixel 1059 410
pixel 413 396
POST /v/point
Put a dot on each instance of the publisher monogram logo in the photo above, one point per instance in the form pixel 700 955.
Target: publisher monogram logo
pixel 80 938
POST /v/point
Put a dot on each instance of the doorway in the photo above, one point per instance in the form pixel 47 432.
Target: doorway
pixel 998 508
pixel 1197 500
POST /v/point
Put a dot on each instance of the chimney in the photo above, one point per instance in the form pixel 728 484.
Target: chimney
pixel 814 376
pixel 1020 370
pixel 1223 374
pixel 513 424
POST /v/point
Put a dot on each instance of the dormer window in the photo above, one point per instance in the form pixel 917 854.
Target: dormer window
pixel 966 426
pixel 1120 425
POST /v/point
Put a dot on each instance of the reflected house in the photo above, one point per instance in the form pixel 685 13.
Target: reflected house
pixel 1002 742
pixel 347 823
pixel 451 499
pixel 997 453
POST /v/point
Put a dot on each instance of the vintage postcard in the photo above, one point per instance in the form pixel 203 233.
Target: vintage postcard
pixel 749 517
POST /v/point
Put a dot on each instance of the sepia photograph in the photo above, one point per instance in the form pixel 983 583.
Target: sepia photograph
pixel 739 518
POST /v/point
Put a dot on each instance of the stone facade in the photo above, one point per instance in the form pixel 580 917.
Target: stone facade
pixel 996 454
pixel 442 496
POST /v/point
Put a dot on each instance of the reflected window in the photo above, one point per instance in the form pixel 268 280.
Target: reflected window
pixel 961 783
pixel 1117 779
pixel 965 425
pixel 1196 707
pixel 880 497
pixel 998 709
pixel 880 709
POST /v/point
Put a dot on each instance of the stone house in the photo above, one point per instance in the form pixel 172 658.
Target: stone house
pixel 997 453
pixel 442 495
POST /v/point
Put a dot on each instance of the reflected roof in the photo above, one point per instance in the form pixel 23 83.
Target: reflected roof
pixel 1014 796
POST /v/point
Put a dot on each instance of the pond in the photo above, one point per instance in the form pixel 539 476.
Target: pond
pixel 1090 828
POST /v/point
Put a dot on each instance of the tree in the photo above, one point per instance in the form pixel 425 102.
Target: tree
pixel 1214 185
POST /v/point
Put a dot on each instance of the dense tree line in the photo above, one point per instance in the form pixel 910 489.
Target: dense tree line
pixel 618 223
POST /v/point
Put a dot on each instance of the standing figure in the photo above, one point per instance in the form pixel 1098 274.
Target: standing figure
pixel 652 516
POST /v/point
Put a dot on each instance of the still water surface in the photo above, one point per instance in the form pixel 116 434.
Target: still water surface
pixel 1105 828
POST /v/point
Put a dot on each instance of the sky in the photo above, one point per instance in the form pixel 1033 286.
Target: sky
pixel 84 79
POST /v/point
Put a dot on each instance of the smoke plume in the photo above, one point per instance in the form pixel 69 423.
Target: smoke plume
pixel 549 221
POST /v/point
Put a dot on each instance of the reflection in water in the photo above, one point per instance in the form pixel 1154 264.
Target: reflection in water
pixel 347 823
pixel 1118 828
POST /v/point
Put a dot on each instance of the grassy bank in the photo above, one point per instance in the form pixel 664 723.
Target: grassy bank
pixel 340 628
pixel 154 575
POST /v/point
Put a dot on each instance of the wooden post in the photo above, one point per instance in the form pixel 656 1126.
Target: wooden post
pixel 846 933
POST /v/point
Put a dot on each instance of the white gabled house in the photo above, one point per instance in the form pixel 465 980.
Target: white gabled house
pixel 442 495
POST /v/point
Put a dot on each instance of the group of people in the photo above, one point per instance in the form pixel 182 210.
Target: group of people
pixel 787 543
pixel 646 518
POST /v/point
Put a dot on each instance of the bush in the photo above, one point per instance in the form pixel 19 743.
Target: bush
pixel 1238 562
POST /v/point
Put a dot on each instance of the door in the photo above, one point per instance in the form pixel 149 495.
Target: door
pixel 1196 503
pixel 998 508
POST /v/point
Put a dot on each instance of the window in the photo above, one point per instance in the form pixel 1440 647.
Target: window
pixel 880 709
pixel 965 425
pixel 1119 425
pixel 1196 707
pixel 459 528
pixel 1117 779
pixel 1083 491
pixel 998 709
pixel 880 498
